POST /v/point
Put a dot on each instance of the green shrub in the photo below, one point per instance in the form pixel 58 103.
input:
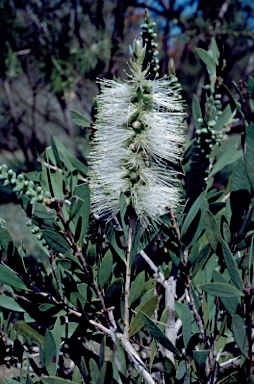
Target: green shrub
pixel 152 281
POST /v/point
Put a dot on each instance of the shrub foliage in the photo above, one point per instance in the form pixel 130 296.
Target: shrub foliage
pixel 113 302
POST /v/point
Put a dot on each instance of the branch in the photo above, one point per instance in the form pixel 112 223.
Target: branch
pixel 230 364
pixel 127 284
pixel 131 352
pixel 157 274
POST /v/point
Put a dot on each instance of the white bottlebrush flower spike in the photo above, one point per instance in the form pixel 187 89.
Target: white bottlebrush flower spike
pixel 139 131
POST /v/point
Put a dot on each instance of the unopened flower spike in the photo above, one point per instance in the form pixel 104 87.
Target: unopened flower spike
pixel 139 137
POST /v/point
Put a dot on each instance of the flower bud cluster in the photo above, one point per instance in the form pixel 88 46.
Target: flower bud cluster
pixel 148 36
pixel 206 137
pixel 23 186
pixel 139 132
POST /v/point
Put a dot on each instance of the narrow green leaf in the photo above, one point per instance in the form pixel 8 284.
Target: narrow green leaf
pixel 196 111
pixel 221 290
pixel 82 289
pixel 46 307
pixel 75 207
pixel 83 194
pixel 111 236
pixel 212 230
pixel 232 266
pixel 105 269
pixel 8 277
pixel 63 154
pixel 226 158
pixel 239 331
pixel 76 377
pixel 93 370
pixel 56 241
pixel 148 235
pixel 148 308
pixel 137 287
pixel 201 259
pixel 102 374
pixel 40 211
pixel 215 51
pixel 124 217
pixel 224 118
pixel 91 254
pixel 135 243
pixel 55 181
pixel 80 119
pixel 230 303
pixel 159 335
pixel 182 370
pixel 192 213
pixel 226 232
pixel 10 303
pixel 6 241
pixel 249 153
pixel 49 353
pixel 186 324
pixel 113 293
pixel 240 180
pixel 207 59
pixel 28 333
pixel 57 333
pixel 200 358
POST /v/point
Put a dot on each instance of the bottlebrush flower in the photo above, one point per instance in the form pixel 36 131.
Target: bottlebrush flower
pixel 139 132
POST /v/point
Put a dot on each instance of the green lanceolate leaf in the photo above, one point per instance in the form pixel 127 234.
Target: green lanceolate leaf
pixel 124 217
pixel 28 333
pixel 186 324
pixel 76 377
pixel 49 353
pixel 215 51
pixel 56 241
pixel 82 194
pixel 8 277
pixel 159 336
pixel 182 370
pixel 135 243
pixel 83 289
pixel 80 119
pixel 111 236
pixel 207 59
pixel 148 308
pixel 105 269
pixel 221 290
pixel 232 266
pixel 249 153
pixel 10 303
pixel 229 156
pixel 239 331
pixel 212 230
pixel 192 213
pixel 230 303
pixel 196 111
pixel 201 259
pixel 6 241
pixel 137 287
pixel 223 119
pixel 113 293
pixel 200 358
